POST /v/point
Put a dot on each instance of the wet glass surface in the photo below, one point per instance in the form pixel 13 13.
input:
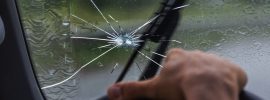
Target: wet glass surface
pixel 68 64
pixel 64 36
pixel 238 30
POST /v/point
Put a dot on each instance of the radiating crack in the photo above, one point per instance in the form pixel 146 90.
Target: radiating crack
pixel 113 18
pixel 105 46
pixel 59 83
pixel 115 66
pixel 87 38
pixel 159 54
pixel 180 7
pixel 117 40
pixel 103 16
pixel 148 22
pixel 176 41
pixel 140 69
pixel 150 59
pixel 94 25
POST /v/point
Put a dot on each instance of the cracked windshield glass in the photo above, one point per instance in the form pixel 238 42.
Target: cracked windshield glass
pixel 80 47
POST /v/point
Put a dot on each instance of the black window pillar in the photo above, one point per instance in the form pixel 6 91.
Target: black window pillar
pixel 17 80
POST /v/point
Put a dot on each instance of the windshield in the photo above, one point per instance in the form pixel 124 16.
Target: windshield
pixel 79 47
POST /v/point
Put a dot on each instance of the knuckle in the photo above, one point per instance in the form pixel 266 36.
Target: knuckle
pixel 175 51
pixel 175 59
pixel 205 75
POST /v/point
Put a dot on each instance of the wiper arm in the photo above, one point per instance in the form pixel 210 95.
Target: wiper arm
pixel 160 29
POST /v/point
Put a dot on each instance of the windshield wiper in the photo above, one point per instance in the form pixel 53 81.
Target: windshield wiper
pixel 159 31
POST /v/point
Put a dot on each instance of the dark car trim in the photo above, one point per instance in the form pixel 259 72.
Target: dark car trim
pixel 2 31
pixel 18 81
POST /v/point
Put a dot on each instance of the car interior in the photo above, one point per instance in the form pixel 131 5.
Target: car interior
pixel 76 49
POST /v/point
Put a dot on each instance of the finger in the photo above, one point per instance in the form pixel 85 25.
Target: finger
pixel 132 90
pixel 175 61
pixel 240 75
pixel 174 55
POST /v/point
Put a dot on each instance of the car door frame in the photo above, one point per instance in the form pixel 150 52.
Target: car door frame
pixel 18 81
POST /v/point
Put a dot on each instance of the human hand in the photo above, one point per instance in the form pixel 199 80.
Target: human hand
pixel 187 75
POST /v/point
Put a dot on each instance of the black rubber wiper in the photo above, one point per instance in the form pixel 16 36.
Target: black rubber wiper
pixel 2 31
pixel 160 29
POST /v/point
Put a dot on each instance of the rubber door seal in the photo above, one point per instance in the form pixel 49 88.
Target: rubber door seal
pixel 2 31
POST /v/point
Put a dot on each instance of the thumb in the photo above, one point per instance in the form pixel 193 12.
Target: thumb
pixel 132 90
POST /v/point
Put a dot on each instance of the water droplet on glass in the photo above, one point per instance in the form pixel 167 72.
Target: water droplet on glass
pixel 242 33
pixel 267 9
pixel 51 72
pixel 65 23
pixel 100 64
pixel 219 48
pixel 238 43
pixel 257 45
pixel 147 48
pixel 74 82
pixel 217 45
pixel 222 40
pixel 249 10
pixel 64 34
